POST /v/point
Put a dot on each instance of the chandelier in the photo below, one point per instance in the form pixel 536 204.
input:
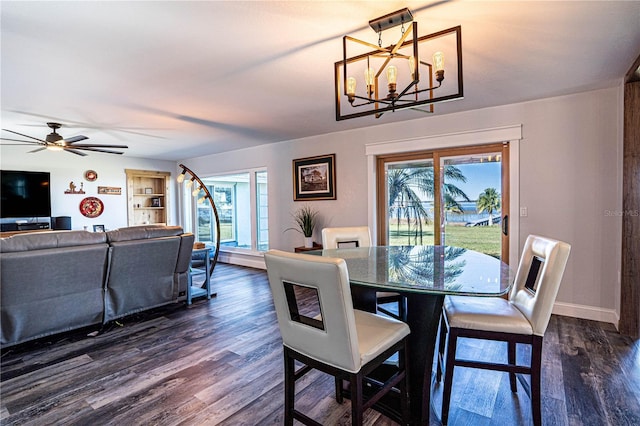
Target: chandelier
pixel 412 80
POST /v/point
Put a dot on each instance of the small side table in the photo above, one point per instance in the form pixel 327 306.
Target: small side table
pixel 302 249
pixel 195 291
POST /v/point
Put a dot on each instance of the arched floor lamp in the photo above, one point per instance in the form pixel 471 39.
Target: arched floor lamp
pixel 199 186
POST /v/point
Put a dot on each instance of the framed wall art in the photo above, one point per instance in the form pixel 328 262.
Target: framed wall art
pixel 110 190
pixel 314 178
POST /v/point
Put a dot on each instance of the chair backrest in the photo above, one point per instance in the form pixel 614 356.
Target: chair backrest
pixel 330 336
pixel 347 236
pixel 538 279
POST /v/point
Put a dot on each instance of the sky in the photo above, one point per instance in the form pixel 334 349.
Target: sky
pixel 480 176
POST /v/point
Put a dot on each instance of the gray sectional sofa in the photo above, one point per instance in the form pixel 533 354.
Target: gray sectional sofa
pixel 57 281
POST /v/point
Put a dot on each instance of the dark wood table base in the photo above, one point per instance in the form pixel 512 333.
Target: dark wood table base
pixel 423 318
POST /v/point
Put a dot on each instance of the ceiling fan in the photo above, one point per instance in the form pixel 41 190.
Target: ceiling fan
pixel 56 142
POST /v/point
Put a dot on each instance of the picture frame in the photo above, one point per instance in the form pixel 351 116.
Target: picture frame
pixel 98 228
pixel 155 202
pixel 148 190
pixel 314 178
pixel 110 190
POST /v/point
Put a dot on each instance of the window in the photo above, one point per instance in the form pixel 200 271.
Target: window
pixel 241 202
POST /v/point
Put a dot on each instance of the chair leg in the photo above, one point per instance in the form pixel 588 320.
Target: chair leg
pixel 339 394
pixel 536 367
pixel 441 346
pixel 403 361
pixel 356 399
pixel 289 388
pixel 448 374
pixel 402 310
pixel 511 354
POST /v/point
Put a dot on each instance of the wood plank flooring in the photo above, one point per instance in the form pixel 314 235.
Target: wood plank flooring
pixel 219 362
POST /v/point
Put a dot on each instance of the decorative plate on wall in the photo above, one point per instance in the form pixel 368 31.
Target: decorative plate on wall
pixel 91 207
pixel 90 175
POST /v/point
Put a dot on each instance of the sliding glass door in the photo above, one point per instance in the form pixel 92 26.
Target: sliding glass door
pixel 455 197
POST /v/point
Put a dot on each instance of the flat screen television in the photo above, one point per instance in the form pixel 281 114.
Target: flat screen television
pixel 25 194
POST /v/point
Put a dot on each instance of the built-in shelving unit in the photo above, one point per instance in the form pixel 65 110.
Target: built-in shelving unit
pixel 147 197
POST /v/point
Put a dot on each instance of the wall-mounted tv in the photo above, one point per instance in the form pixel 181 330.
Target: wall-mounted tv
pixel 25 194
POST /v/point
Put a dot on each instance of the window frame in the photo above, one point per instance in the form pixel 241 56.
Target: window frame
pixel 253 206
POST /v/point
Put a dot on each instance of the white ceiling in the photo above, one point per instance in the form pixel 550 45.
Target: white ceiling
pixel 178 79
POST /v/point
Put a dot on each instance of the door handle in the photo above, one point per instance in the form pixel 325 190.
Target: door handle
pixel 505 225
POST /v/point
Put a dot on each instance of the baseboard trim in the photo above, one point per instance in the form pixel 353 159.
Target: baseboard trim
pixel 248 260
pixel 587 312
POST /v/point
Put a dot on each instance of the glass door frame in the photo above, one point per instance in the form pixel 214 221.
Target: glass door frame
pixel 435 155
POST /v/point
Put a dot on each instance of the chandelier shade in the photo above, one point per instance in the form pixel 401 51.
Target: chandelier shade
pixel 371 79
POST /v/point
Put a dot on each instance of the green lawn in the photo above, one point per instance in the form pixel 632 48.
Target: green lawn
pixel 485 239
pixel 226 232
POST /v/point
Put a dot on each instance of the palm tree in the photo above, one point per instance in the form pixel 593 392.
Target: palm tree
pixel 409 187
pixel 488 201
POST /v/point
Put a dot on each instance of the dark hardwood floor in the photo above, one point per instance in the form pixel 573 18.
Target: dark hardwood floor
pixel 219 362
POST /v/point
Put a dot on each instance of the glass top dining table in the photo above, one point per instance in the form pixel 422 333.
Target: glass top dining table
pixel 426 269
pixel 424 275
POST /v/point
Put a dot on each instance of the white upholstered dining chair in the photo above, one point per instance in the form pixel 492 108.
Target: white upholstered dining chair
pixel 360 236
pixel 321 330
pixel 522 318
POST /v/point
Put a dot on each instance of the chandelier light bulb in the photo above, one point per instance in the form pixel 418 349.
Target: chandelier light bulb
pixel 196 191
pixel 412 66
pixel 369 76
pixel 190 182
pixel 438 61
pixel 392 74
pixel 351 86
pixel 180 177
pixel 438 65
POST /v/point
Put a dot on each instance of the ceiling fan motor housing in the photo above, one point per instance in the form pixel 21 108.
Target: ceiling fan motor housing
pixel 53 137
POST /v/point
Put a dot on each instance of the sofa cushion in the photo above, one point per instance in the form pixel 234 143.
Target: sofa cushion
pixel 48 240
pixel 143 232
pixel 141 275
pixel 51 290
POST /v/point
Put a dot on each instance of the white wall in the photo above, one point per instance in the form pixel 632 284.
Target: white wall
pixel 66 168
pixel 570 181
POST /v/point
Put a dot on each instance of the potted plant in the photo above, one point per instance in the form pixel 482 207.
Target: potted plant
pixel 306 219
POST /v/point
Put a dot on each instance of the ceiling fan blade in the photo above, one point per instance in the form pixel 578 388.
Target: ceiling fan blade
pixel 73 148
pixel 99 146
pixel 18 140
pixel 75 139
pixel 37 149
pixel 82 154
pixel 26 136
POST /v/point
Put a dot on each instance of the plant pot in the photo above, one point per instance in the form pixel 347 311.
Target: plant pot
pixel 308 242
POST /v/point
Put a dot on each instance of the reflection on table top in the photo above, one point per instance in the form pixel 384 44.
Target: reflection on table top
pixel 426 269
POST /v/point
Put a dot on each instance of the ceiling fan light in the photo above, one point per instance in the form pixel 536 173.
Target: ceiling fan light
pixel 55 147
